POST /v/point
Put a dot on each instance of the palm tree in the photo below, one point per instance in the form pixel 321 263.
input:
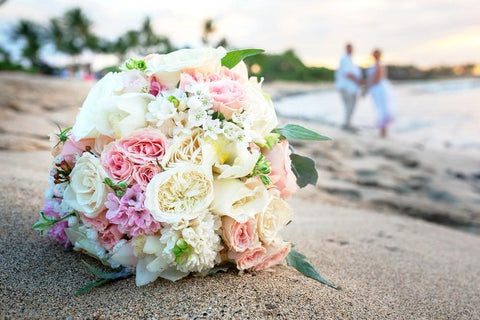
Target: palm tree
pixel 208 30
pixel 149 41
pixel 71 33
pixel 32 35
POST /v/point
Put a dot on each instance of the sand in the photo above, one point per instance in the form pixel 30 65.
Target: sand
pixel 389 265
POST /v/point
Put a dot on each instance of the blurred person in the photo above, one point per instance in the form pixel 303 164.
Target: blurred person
pixel 348 81
pixel 381 91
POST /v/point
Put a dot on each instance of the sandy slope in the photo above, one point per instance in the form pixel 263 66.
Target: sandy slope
pixel 389 265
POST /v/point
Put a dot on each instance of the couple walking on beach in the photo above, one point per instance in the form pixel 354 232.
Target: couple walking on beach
pixel 350 82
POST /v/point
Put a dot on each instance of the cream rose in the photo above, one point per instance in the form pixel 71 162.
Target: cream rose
pixel 86 192
pixel 259 109
pixel 276 215
pixel 188 148
pixel 179 193
pixel 167 67
pixel 234 199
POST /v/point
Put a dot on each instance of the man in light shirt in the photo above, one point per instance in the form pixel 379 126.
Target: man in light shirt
pixel 348 81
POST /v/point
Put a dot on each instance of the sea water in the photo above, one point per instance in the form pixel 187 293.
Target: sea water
pixel 435 113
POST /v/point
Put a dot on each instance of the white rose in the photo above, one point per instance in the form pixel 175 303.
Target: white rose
pixel 84 126
pixel 188 148
pixel 167 67
pixel 232 158
pixel 121 115
pixel 179 193
pixel 234 199
pixel 259 109
pixel 86 192
pixel 276 215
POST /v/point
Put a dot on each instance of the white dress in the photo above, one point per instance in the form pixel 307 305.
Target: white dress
pixel 382 94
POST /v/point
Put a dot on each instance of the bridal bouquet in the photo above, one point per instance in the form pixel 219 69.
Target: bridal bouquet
pixel 175 165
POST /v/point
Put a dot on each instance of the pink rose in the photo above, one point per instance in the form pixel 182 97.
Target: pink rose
pixel 110 237
pixel 142 174
pixel 282 176
pixel 72 148
pixel 239 236
pixel 275 255
pixel 100 223
pixel 144 146
pixel 118 166
pixel 228 96
pixel 249 258
pixel 108 233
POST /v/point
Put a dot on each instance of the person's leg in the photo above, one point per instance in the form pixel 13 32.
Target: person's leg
pixel 352 100
pixel 347 103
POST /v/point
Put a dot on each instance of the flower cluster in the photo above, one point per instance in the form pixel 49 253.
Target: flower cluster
pixel 173 166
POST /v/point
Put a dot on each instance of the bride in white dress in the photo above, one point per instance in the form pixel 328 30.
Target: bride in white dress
pixel 381 91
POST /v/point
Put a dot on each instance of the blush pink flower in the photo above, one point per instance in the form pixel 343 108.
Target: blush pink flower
pixel 239 236
pixel 57 232
pixel 118 166
pixel 110 236
pixel 276 254
pixel 144 146
pixel 249 258
pixel 73 148
pixel 142 174
pixel 155 87
pixel 228 96
pixel 130 214
pixel 108 233
pixel 281 169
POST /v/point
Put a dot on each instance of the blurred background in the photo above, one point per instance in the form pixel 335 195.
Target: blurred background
pixel 52 52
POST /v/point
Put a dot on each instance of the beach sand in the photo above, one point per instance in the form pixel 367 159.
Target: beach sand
pixel 360 228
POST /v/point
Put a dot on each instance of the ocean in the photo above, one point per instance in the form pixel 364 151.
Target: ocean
pixel 433 114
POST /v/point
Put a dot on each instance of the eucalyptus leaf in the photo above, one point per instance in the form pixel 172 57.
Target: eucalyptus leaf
pixel 232 58
pixel 304 169
pixel 295 131
pixel 297 260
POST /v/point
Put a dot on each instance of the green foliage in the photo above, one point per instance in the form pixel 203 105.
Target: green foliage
pixel 286 66
pixel 262 169
pixel 297 260
pixel 304 169
pixel 232 58
pixel 295 131
pixel 45 223
pixel 32 35
pixel 104 277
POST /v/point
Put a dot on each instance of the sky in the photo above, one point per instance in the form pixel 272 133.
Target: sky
pixel 421 32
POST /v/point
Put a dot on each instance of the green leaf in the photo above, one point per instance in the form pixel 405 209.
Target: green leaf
pixel 295 131
pixel 103 277
pixel 90 286
pixel 304 169
pixel 232 58
pixel 297 260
